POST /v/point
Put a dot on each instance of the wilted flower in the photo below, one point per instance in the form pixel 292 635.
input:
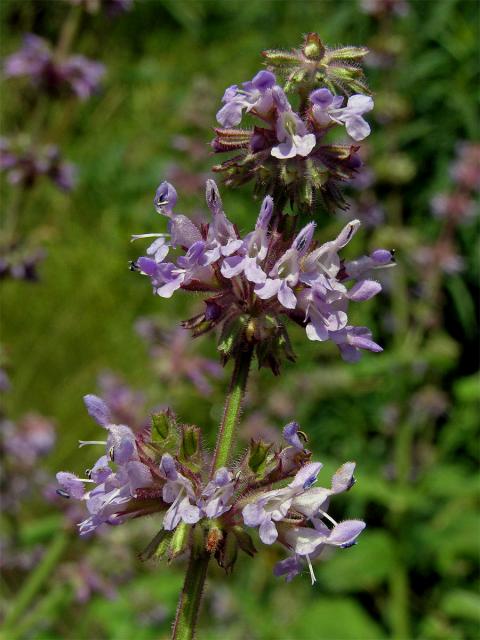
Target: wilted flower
pixel 36 61
pixel 258 280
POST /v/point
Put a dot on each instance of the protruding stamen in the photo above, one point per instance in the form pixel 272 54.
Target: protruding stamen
pixel 82 443
pixel 325 515
pixel 312 575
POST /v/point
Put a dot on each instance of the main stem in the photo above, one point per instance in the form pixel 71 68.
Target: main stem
pixel 191 595
pixel 190 598
pixel 233 404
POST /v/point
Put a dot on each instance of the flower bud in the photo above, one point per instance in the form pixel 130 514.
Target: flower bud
pixel 190 441
pixel 163 424
pixel 313 47
pixel 257 454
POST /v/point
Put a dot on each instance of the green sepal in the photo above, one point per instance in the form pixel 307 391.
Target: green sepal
pixel 281 58
pixel 257 454
pixel 244 540
pixel 190 445
pixel 163 425
pixel 157 547
pixel 227 552
pixel 179 541
pixel 347 53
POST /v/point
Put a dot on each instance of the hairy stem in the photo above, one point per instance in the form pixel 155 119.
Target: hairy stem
pixel 233 404
pixel 190 598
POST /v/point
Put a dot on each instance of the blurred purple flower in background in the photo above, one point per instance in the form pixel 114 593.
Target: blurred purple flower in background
pixel 173 358
pixel 24 163
pixel 36 61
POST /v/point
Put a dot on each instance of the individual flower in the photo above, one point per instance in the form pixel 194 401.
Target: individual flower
pixel 326 107
pixel 256 281
pixel 255 95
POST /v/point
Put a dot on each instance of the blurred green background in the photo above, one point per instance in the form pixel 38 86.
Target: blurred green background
pixel 408 416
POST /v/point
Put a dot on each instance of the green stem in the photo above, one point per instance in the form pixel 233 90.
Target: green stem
pixel 37 578
pixel 233 405
pixel 68 32
pixel 190 598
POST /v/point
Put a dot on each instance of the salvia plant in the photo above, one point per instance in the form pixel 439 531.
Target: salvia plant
pixel 212 505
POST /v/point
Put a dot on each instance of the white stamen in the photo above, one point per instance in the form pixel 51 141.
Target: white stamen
pixel 325 515
pixel 139 236
pixel 82 443
pixel 312 575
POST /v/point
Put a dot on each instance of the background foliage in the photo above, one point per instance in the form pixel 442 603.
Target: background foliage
pixel 409 416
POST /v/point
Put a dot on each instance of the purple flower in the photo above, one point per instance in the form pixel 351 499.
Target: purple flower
pixel 31 60
pixel 290 567
pixel 273 506
pixel 293 137
pixel 255 95
pixel 253 251
pixel 36 61
pixel 217 494
pixel 351 340
pixel 71 485
pixel 24 164
pixel 98 410
pixel 286 272
pixel 309 283
pixel 177 491
pixel 290 433
pixel 327 108
pixel 83 75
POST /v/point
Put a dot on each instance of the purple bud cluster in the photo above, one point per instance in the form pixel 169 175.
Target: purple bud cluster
pixel 260 275
pixel 36 61
pixel 276 495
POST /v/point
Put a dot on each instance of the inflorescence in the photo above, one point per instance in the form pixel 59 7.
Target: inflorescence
pixel 258 280
pixel 163 470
